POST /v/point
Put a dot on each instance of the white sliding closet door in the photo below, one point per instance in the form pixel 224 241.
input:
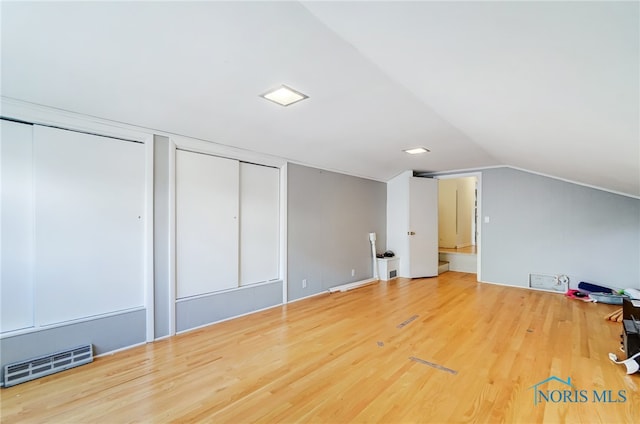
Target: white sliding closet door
pixel 206 223
pixel 259 223
pixel 89 209
pixel 16 228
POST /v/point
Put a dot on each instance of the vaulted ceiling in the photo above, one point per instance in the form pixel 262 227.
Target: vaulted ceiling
pixel 551 87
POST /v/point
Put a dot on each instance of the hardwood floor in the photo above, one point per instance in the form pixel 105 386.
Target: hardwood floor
pixel 345 358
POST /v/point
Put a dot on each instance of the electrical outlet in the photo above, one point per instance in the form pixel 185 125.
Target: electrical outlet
pixel 304 283
pixel 353 272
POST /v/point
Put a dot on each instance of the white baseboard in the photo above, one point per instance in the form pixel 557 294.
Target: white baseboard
pixel 354 285
pixel 308 297
pixel 518 287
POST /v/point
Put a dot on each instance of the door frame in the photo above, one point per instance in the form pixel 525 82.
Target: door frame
pixel 478 176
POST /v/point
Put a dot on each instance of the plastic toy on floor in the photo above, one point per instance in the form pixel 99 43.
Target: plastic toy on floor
pixel 579 295
pixel 632 363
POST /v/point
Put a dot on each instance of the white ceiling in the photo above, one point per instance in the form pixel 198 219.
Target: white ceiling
pixel 552 87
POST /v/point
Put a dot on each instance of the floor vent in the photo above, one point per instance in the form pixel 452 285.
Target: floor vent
pixel 19 372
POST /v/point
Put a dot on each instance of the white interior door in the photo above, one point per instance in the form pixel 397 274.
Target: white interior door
pixel 16 226
pixel 89 194
pixel 259 223
pixel 423 227
pixel 206 223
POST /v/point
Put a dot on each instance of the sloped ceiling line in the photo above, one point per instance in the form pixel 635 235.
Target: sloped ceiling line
pixel 546 86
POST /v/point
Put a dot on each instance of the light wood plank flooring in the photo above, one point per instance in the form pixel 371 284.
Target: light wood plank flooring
pixel 345 358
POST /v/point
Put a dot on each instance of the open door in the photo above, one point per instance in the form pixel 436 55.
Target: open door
pixel 412 224
pixel 423 227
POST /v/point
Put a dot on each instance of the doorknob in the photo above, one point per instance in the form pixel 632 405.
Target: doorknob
pixel 411 233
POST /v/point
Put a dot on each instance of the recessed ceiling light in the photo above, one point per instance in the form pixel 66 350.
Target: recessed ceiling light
pixel 417 150
pixel 284 96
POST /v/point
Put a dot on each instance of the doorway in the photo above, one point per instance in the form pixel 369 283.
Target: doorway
pixel 458 222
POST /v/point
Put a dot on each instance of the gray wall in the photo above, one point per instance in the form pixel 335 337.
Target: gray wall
pixel 543 225
pixel 106 334
pixel 161 250
pixel 330 216
pixel 192 313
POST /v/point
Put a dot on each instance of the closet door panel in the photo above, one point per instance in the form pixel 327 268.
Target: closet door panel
pixel 259 223
pixel 16 228
pixel 89 209
pixel 206 223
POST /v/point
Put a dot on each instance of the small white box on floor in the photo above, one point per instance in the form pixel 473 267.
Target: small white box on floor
pixel 388 268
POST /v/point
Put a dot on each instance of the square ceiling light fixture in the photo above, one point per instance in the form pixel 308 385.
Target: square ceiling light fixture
pixel 416 150
pixel 284 96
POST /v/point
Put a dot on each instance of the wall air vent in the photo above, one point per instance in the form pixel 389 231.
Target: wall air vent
pixel 553 283
pixel 19 372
